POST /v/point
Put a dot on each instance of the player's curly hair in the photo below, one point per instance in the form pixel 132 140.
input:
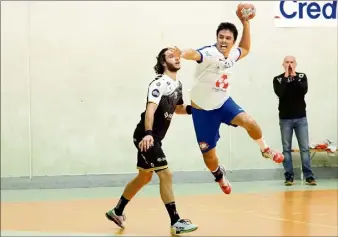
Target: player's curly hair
pixel 228 26
pixel 159 68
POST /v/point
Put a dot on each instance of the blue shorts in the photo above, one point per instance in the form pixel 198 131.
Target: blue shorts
pixel 207 123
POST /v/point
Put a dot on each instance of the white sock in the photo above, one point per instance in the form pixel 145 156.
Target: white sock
pixel 215 169
pixel 262 144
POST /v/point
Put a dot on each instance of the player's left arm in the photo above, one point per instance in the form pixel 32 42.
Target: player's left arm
pixel 245 43
pixel 200 55
pixel 190 54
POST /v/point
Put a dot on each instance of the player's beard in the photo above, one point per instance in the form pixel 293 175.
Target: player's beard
pixel 172 68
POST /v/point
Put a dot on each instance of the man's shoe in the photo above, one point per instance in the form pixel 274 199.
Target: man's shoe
pixel 224 182
pixel 289 182
pixel 276 156
pixel 310 181
pixel 119 220
pixel 182 226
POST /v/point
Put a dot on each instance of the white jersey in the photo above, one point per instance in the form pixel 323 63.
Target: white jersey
pixel 212 77
pixel 163 87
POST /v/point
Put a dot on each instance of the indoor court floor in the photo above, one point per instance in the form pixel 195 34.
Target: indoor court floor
pixel 265 208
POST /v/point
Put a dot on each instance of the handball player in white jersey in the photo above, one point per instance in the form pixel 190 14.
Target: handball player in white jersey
pixel 211 103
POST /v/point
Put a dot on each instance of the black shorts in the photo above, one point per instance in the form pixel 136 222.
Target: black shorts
pixel 153 159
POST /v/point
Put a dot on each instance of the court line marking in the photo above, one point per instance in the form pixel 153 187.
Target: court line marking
pixel 57 234
pixel 300 222
pixel 283 219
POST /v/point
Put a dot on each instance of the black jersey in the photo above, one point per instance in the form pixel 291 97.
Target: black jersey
pixel 291 92
pixel 166 93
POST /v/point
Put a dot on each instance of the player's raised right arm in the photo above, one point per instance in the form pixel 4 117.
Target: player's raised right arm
pixel 245 42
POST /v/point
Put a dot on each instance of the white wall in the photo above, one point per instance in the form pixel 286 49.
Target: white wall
pixel 14 89
pixel 86 67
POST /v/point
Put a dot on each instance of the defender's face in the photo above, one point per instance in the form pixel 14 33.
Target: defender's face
pixel 173 63
pixel 225 41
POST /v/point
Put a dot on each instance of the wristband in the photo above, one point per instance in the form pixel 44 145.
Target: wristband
pixel 149 132
pixel 188 109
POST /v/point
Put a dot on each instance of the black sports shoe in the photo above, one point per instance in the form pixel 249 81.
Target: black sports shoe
pixel 289 182
pixel 310 181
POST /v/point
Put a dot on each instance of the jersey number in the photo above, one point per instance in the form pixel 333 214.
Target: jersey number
pixel 222 82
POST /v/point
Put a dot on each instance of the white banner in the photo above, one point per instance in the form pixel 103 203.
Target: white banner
pixel 306 14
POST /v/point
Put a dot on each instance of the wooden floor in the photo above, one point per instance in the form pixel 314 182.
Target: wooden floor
pixel 292 213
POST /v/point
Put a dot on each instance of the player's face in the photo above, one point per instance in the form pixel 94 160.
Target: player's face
pixel 225 41
pixel 289 63
pixel 173 63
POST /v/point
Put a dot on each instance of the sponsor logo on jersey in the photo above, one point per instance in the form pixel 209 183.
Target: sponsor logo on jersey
pixel 168 116
pixel 155 93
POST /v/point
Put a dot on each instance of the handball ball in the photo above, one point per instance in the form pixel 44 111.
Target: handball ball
pixel 246 11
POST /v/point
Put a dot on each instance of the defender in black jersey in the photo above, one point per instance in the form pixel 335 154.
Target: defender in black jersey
pixel 164 98
pixel 167 94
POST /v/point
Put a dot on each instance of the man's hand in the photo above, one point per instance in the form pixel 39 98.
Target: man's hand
pixel 146 143
pixel 293 71
pixel 191 54
pixel 188 54
pixel 286 73
pixel 176 51
pixel 290 71
pixel 239 15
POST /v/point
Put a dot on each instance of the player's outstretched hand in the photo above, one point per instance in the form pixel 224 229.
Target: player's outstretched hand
pixel 176 51
pixel 188 54
pixel 146 143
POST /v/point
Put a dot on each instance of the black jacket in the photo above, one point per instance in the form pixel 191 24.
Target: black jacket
pixel 291 92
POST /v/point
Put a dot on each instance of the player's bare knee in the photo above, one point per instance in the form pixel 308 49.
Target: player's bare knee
pixel 164 174
pixel 250 123
pixel 245 120
pixel 144 177
pixel 148 178
pixel 210 155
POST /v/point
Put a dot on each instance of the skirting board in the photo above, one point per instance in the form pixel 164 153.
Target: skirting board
pixel 117 180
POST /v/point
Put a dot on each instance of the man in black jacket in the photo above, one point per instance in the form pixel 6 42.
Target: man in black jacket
pixel 291 88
